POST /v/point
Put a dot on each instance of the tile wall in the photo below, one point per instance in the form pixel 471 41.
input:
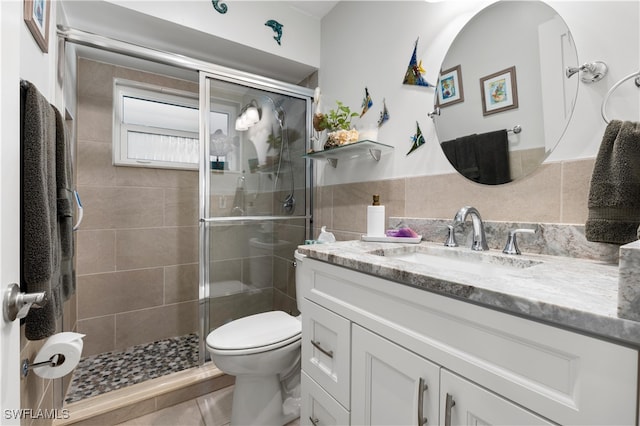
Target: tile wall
pixel 137 260
pixel 555 193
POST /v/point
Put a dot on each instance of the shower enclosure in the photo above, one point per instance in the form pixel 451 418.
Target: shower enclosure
pixel 172 251
pixel 255 202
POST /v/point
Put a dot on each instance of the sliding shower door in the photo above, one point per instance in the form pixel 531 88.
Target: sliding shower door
pixel 254 195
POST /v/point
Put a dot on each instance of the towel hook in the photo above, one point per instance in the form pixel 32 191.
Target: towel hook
pixel 591 71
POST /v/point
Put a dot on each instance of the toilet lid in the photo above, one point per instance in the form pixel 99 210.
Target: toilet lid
pixel 255 331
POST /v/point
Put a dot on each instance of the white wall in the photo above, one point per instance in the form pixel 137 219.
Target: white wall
pixel 244 23
pixel 363 46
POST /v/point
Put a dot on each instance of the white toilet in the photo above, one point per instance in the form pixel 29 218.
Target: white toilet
pixel 262 351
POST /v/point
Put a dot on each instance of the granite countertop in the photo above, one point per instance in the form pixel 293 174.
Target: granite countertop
pixel 574 293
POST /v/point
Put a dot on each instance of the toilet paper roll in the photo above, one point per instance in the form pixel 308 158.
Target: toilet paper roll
pixel 67 344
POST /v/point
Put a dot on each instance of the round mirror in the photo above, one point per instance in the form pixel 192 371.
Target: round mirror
pixel 503 98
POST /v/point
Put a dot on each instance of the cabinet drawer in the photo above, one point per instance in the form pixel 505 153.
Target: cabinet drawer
pixel 326 342
pixel 318 407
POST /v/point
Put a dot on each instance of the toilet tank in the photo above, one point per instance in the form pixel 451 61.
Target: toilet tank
pixel 302 278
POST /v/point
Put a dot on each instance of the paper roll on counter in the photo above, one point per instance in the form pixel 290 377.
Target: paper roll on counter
pixel 67 344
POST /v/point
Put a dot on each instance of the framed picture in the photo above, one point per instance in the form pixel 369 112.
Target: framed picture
pixel 36 16
pixel 449 88
pixel 499 91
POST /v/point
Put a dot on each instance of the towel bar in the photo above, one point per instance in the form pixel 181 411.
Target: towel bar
pixel 613 88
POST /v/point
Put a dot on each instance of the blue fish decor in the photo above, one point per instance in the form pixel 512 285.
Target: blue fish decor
pixel 366 102
pixel 417 139
pixel 384 114
pixel 277 28
pixel 413 76
pixel 220 7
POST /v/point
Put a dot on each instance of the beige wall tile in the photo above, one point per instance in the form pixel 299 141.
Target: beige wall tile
pixel 95 78
pixel 95 164
pixel 534 198
pixel 149 325
pixel 227 308
pixel 115 292
pixel 100 334
pixel 230 241
pixel 225 270
pixel 95 251
pixel 323 208
pixel 181 206
pixel 144 248
pixel 350 203
pixel 124 207
pixel 158 178
pixel 159 80
pixel 181 283
pixel 576 181
pixel 95 114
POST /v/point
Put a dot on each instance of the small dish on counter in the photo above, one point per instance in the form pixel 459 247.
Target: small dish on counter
pixel 385 239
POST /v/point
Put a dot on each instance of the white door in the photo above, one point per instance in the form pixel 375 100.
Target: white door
pixel 10 19
pixel 464 403
pixel 389 384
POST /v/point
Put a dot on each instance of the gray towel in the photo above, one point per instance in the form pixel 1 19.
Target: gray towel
pixel 64 179
pixel 40 255
pixel 614 195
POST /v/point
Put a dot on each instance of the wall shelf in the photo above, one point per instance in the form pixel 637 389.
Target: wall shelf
pixel 349 151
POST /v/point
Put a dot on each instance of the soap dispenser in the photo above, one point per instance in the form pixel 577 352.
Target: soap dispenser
pixel 375 218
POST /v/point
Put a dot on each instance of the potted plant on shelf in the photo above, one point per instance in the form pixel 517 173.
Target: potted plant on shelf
pixel 337 123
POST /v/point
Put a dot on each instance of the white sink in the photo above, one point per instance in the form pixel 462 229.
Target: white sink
pixel 458 258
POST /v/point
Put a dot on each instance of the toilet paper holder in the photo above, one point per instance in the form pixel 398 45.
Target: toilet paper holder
pixel 54 361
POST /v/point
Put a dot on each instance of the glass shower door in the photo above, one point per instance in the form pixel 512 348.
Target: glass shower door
pixel 254 196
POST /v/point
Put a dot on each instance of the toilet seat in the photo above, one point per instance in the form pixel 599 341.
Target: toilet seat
pixel 254 334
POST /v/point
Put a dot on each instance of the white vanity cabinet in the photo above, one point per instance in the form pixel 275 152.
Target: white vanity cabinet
pixel 412 354
pixel 389 384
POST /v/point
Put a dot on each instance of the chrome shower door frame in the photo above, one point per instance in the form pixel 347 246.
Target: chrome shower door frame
pixel 256 82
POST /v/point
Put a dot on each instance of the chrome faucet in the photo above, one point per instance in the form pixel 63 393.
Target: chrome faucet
pixel 479 239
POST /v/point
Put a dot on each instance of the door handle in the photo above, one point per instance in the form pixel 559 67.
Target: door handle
pixel 422 387
pixel 16 305
pixel 447 409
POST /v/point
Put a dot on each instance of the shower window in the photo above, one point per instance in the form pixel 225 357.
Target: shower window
pixel 158 127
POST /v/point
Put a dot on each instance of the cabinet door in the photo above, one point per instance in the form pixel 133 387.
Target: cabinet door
pixel 318 408
pixel 389 384
pixel 465 403
pixel 326 350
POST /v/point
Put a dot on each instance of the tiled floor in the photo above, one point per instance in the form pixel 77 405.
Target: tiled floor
pixel 109 371
pixel 213 409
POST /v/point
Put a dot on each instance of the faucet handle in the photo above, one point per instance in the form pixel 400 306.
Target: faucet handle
pixel 451 237
pixel 512 243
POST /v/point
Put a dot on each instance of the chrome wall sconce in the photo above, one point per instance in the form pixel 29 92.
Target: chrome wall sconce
pixel 591 71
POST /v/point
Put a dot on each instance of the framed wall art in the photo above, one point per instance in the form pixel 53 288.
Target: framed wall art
pixel 36 16
pixel 499 91
pixel 450 90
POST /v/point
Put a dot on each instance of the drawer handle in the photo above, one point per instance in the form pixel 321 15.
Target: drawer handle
pixel 315 421
pixel 447 413
pixel 422 387
pixel 324 351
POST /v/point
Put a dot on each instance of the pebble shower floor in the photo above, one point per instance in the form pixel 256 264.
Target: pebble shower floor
pixel 109 371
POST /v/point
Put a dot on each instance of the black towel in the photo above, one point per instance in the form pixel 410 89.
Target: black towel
pixel 466 157
pixel 492 157
pixel 40 255
pixel 614 195
pixel 449 149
